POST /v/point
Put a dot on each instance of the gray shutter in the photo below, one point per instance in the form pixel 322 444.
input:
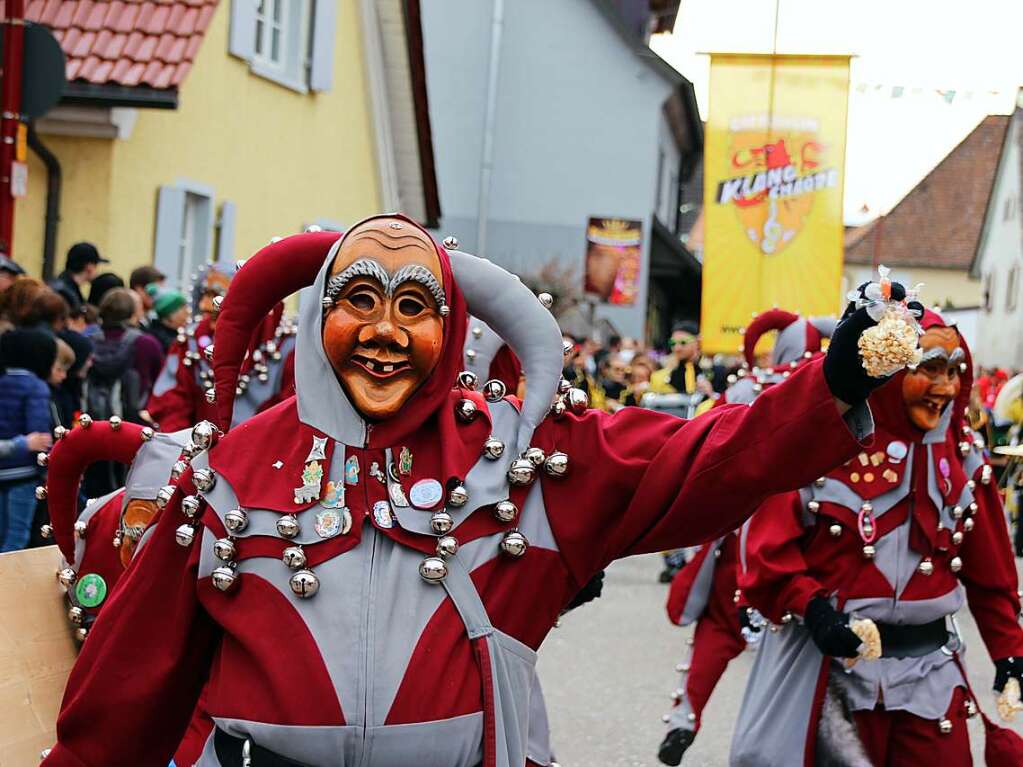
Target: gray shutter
pixel 321 69
pixel 225 233
pixel 170 218
pixel 242 40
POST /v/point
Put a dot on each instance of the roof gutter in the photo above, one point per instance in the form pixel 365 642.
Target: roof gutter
pixel 79 93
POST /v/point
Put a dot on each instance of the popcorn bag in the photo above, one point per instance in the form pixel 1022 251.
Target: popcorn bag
pixel 892 344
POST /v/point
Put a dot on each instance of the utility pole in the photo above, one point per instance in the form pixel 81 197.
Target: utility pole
pixel 11 127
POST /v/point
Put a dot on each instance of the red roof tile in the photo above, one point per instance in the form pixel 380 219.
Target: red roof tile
pixel 126 42
pixel 939 222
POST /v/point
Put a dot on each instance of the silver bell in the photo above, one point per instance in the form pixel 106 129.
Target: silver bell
pixel 494 390
pixel 505 511
pixel 81 528
pixel 163 495
pixel 458 496
pixel 869 552
pixel 59 432
pixel 224 548
pixel 813 507
pixel 441 522
pixel 957 537
pixel 926 567
pixel 433 569
pixel 223 577
pixel 835 530
pixel 558 409
pixel 147 434
pixel 236 520
pixel 451 243
pixel 294 557
pixel 466 410
pixel 514 543
pixel 81 634
pixel 567 347
pixel 577 401
pixel 211 395
pixel 115 422
pixel 470 354
pixel 190 450
pixel 46 531
pixel 945 726
pixel 208 352
pixel 546 299
pixel 66 577
pixel 493 449
pixel 534 455
pixel 184 535
pixel 76 615
pixel 218 303
pixel 957 512
pixel 556 464
pixel 41 493
pixel 521 472
pixel 178 469
pixel 85 420
pixel 118 539
pixel 190 506
pixel 204 480
pixel 202 432
pixel 477 332
pixel 468 380
pixel 42 458
pixel 304 584
pixel 968 524
pixel 564 386
pixel 955 564
pixel 287 526
pixel 447 546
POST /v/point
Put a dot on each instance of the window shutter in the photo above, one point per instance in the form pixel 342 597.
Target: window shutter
pixel 170 219
pixel 225 233
pixel 321 69
pixel 242 39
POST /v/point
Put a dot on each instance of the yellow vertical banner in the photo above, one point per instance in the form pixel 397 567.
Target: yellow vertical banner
pixel 774 161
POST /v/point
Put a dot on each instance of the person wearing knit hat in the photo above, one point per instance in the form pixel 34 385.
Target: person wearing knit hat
pixel 171 310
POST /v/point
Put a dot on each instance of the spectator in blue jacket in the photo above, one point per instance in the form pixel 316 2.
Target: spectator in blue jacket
pixel 27 357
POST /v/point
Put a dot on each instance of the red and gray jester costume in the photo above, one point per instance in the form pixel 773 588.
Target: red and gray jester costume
pixel 897 535
pixel 373 593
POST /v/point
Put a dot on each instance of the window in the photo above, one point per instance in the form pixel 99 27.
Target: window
pixel 290 42
pixel 184 230
pixel 1011 289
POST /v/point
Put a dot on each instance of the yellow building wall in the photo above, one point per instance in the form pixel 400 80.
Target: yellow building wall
pixel 283 158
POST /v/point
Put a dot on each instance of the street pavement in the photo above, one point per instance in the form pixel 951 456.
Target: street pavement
pixel 608 669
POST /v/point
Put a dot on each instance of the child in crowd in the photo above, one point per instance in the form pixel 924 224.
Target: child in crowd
pixel 28 358
pixel 62 404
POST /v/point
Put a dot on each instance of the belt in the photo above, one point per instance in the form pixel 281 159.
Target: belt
pixel 241 752
pixel 903 641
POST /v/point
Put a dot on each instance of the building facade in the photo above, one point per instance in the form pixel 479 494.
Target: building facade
pixel 196 131
pixel 545 115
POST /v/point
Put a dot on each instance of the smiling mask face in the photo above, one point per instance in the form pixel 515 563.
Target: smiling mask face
pixel 384 331
pixel 934 383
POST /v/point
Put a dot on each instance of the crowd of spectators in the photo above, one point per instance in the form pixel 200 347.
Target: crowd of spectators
pixel 87 342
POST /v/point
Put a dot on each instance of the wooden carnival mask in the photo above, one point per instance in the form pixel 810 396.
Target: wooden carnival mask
pixel 383 325
pixel 928 388
pixel 215 283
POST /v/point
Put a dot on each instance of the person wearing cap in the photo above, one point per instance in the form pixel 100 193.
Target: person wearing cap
pixel 171 309
pixel 446 524
pixel 9 272
pixel 83 260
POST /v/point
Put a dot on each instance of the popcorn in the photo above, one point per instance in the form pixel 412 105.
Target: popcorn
pixel 890 345
pixel 867 631
pixel 1008 702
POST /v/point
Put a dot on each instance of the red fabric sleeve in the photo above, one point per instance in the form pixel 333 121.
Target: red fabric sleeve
pixel 136 682
pixel 989 575
pixel 775 580
pixel 641 481
pixel 176 408
pixel 682 585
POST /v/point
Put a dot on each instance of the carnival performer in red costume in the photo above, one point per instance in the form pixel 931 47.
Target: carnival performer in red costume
pixel 887 542
pixel 361 574
pixel 182 395
pixel 705 590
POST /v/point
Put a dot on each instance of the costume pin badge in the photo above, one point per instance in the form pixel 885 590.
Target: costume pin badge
pixel 352 470
pixel 312 475
pixel 405 462
pixel 331 522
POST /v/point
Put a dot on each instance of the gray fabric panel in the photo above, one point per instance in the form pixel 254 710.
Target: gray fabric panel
pixel 486 348
pixel 777 708
pixel 456 742
pixel 825 325
pixel 151 468
pixel 513 666
pixel 678 717
pixel 466 599
pixel 538 747
pixel 88 513
pixel 893 557
pixel 257 392
pixel 143 540
pixel 533 521
pixel 168 375
pixel 841 494
pixel 700 592
pixel 208 757
pixel 322 403
pixel 501 300
pixel 907 612
pixel 973 461
pixel 790 344
pixel 741 392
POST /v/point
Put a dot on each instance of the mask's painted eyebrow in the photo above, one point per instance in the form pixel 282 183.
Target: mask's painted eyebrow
pixel 363 267
pixel 938 353
pixel 420 274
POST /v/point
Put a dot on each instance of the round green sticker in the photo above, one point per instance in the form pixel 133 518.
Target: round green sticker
pixel 91 590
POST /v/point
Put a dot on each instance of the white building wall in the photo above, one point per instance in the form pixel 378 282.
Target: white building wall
pixel 1000 262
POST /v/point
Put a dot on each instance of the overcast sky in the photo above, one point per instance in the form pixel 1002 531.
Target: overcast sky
pixel 921 46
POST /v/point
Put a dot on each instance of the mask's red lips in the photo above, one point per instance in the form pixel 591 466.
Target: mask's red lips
pixel 381 368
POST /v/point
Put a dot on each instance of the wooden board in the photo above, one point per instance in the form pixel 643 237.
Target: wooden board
pixel 37 650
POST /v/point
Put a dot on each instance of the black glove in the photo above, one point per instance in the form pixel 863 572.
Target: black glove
pixel 843 369
pixel 830 630
pixel 674 746
pixel 1005 669
pixel 744 622
pixel 587 593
